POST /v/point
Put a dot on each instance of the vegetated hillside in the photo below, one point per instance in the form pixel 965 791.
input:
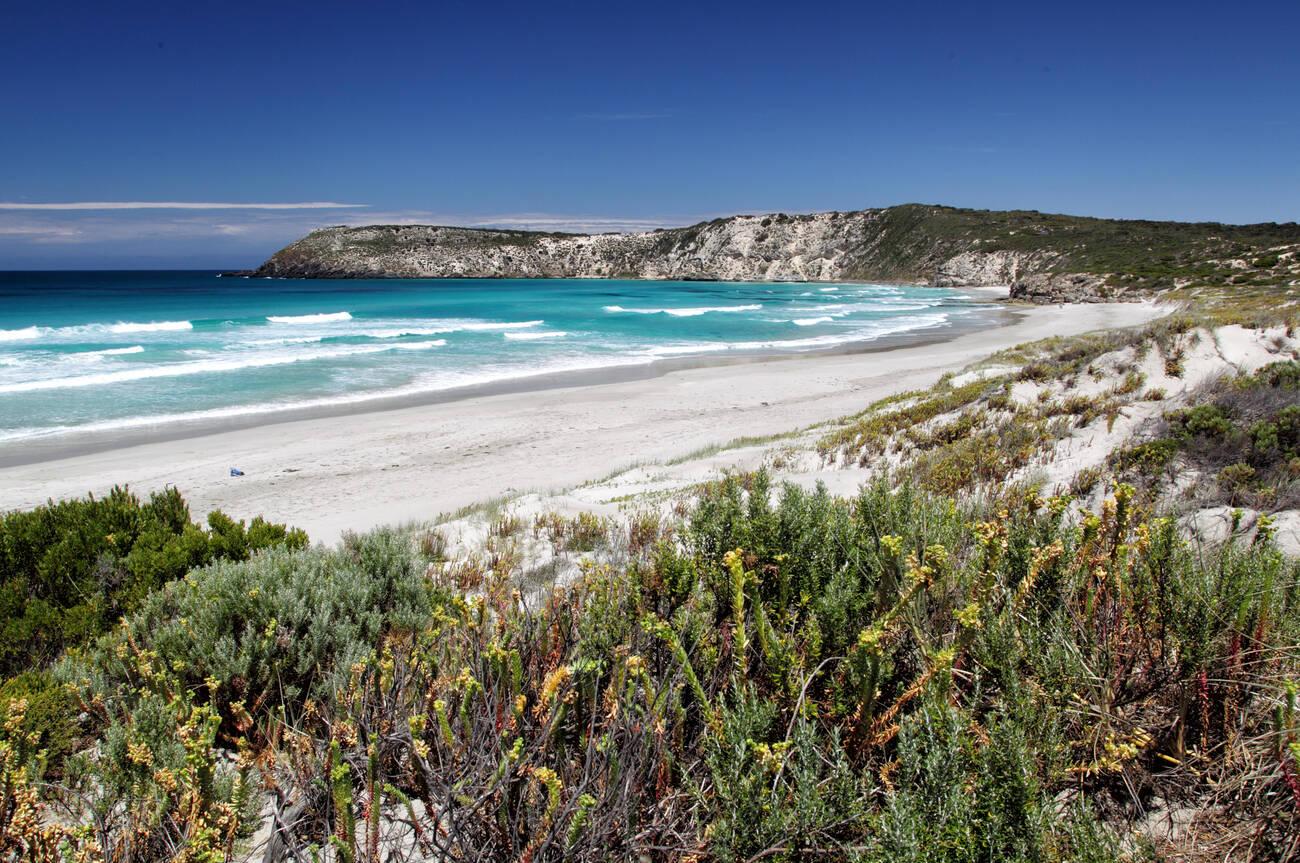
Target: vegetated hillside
pixel 1042 256
pixel 1006 645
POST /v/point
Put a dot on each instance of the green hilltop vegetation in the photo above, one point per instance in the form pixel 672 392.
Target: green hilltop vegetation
pixel 1134 254
pixel 948 665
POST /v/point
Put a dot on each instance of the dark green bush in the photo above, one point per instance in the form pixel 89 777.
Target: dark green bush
pixel 1208 420
pixel 69 570
pixel 1149 458
pixel 49 714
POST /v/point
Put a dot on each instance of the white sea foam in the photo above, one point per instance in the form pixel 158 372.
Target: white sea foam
pixel 688 312
pixel 395 330
pixel 288 340
pixel 119 328
pixel 883 328
pixel 528 337
pixel 903 306
pixel 401 332
pixel 151 327
pixel 324 318
pixel 112 352
pixel 489 326
pixel 20 335
pixel 303 334
pixel 418 346
pixel 843 310
pixel 198 367
pixel 453 325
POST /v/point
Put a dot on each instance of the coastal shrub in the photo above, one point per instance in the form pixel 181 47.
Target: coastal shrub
pixel 1085 481
pixel 1235 480
pixel 987 457
pixel 1207 420
pixel 48 716
pixel 871 433
pixel 69 569
pixel 1149 458
pixel 275 631
pixel 584 532
pixel 787 676
pixel 1244 432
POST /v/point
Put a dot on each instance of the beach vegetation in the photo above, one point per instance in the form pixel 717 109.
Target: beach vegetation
pixel 69 570
pixel 1241 436
pixel 788 675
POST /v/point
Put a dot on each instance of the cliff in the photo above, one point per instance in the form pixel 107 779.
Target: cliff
pixel 1042 257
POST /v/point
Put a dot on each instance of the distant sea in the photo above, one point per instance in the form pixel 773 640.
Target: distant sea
pixel 90 351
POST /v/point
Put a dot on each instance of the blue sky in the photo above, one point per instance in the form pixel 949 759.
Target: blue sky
pixel 611 115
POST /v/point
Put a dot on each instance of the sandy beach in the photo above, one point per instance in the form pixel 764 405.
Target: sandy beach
pixel 361 470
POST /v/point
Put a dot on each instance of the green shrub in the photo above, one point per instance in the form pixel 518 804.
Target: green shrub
pixel 68 570
pixel 283 627
pixel 1245 431
pixel 793 676
pixel 1235 479
pixel 49 716
pixel 1149 458
pixel 1208 420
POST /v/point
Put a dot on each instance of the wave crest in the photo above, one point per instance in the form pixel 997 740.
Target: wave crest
pixel 112 352
pixel 323 318
pixel 151 327
pixel 198 367
pixel 117 329
pixel 528 337
pixel 883 328
pixel 685 312
pixel 20 335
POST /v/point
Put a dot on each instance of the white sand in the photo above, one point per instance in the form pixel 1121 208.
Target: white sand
pixel 358 471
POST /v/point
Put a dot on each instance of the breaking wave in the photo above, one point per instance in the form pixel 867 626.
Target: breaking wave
pixel 198 367
pixel 686 312
pixel 325 318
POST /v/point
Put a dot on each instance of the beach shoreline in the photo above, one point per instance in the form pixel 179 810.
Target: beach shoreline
pixel 74 442
pixel 361 468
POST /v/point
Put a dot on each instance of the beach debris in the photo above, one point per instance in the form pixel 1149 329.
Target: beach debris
pixel 234 471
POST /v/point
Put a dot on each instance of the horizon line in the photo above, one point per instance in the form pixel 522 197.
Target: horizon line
pixel 178 205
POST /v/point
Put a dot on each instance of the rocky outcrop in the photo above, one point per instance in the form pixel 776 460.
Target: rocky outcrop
pixel 1046 288
pixel 1041 257
pixel 989 268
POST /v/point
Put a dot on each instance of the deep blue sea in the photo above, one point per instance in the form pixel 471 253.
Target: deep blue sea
pixel 83 351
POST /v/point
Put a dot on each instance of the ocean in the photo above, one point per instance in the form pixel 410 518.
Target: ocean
pixel 99 351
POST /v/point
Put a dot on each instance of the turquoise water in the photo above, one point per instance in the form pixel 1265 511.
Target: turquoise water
pixel 115 350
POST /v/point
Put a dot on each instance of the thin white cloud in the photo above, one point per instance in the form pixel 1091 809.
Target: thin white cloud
pixel 37 231
pixel 175 205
